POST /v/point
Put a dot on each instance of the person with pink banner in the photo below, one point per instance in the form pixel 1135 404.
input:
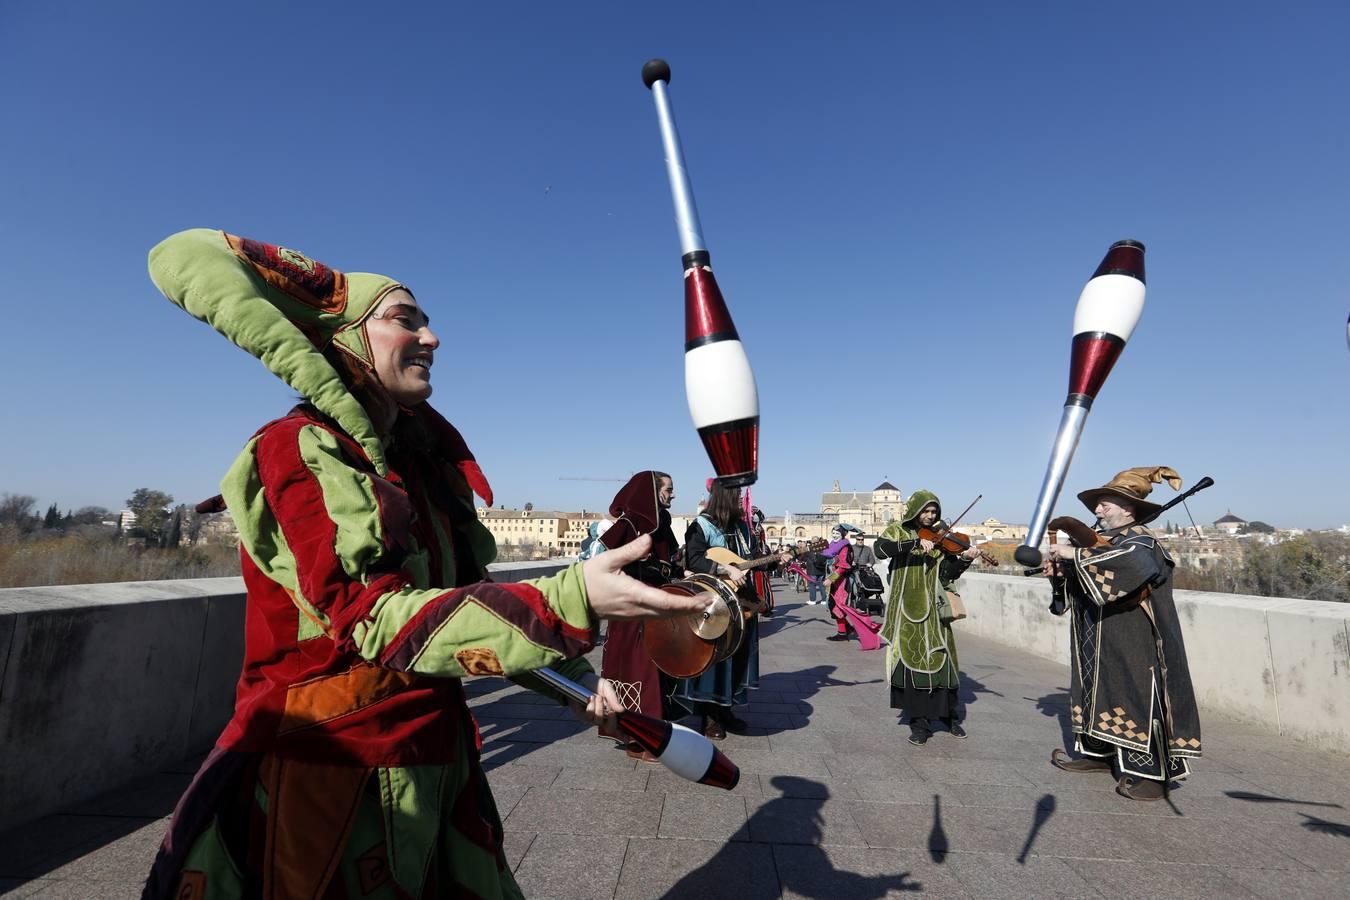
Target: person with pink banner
pixel 845 616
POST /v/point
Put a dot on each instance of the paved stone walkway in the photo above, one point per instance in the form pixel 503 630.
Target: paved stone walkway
pixel 833 802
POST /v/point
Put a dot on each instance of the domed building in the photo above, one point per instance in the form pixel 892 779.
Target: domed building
pixel 1230 524
pixel 869 510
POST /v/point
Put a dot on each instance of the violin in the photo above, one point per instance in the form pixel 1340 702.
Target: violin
pixel 952 541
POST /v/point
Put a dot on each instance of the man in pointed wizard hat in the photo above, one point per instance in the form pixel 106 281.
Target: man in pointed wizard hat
pixel 1132 706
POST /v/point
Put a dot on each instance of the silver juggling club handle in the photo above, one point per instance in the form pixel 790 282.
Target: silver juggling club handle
pixel 656 75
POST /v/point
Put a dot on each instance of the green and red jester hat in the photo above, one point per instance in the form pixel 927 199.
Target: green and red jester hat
pixel 285 309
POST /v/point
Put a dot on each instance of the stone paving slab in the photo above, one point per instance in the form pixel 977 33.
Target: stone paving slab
pixel 833 801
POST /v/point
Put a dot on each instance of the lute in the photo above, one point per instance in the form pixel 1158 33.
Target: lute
pixel 727 558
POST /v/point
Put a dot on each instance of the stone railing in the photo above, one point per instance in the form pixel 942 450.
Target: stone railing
pixel 1281 665
pixel 100 684
pixel 103 683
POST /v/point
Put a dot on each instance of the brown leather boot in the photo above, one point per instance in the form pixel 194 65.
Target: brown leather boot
pixel 1061 760
pixel 713 730
pixel 1145 789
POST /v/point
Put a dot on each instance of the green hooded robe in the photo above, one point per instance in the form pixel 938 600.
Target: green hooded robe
pixel 917 638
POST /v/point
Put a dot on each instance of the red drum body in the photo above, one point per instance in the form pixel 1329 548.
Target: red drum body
pixel 687 646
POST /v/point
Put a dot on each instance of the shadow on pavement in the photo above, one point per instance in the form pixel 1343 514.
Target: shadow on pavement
pixel 1322 826
pixel 803 871
pixel 1045 808
pixel 1251 797
pixel 1056 706
pixel 938 845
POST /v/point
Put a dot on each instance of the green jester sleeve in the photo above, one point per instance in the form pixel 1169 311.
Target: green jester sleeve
pixel 327 532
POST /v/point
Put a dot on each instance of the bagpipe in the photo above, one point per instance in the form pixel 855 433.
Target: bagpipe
pixel 1081 534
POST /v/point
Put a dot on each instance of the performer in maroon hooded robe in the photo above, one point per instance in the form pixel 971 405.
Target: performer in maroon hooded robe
pixel 642 506
pixel 760 547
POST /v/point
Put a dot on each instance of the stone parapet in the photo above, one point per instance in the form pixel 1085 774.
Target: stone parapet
pixel 100 684
pixel 104 683
pixel 1281 665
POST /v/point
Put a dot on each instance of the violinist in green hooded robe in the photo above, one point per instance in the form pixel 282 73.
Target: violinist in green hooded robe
pixel 921 653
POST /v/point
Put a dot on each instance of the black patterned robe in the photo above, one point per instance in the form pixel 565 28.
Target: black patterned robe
pixel 1131 691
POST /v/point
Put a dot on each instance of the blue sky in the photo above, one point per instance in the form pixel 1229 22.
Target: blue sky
pixel 902 201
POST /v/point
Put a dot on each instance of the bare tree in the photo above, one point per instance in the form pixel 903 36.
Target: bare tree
pixel 17 510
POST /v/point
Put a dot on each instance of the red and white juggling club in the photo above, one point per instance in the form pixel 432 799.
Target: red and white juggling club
pixel 1108 309
pixel 685 752
pixel 723 399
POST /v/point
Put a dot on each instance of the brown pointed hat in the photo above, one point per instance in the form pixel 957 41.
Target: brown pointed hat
pixel 1133 486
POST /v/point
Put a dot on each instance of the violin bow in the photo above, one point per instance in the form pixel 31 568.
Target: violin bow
pixel 977 499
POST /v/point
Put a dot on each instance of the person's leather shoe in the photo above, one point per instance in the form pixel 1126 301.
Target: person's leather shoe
pixel 713 730
pixel 918 738
pixel 1061 760
pixel 1145 789
pixel 957 731
pixel 837 637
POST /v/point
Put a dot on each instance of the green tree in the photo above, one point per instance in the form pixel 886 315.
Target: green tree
pixel 91 515
pixel 1260 528
pixel 1310 567
pixel 53 517
pixel 152 513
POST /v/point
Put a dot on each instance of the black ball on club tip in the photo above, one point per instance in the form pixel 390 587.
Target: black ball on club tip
pixel 654 70
pixel 1028 556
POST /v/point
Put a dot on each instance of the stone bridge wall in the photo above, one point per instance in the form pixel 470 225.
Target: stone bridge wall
pixel 103 683
pixel 1282 665
pixel 100 684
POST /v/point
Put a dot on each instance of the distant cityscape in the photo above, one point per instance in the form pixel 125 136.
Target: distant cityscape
pixel 1232 554
pixel 529 533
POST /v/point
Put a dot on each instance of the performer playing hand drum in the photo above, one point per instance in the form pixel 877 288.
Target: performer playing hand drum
pixel 713 693
pixel 642 506
pixel 1132 703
